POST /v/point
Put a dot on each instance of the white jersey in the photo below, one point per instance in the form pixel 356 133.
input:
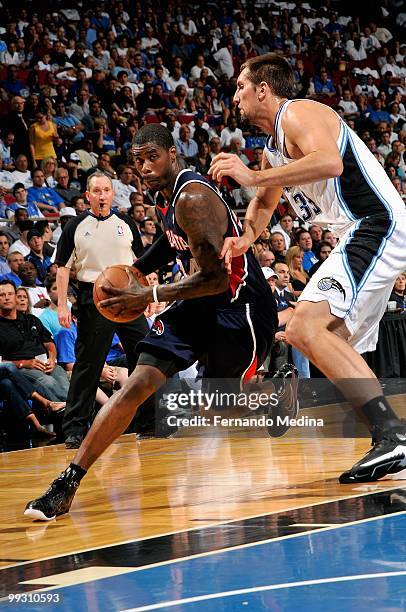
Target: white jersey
pixel 368 214
pixel 363 189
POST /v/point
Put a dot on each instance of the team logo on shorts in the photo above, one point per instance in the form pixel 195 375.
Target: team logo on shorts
pixel 327 283
pixel 158 327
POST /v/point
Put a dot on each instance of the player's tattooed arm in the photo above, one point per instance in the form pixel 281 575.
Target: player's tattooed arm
pixel 204 220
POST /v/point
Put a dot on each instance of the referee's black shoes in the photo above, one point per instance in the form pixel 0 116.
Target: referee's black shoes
pixel 287 408
pixel 387 456
pixel 56 500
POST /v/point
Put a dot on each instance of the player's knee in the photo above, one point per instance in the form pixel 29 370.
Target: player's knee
pixel 298 332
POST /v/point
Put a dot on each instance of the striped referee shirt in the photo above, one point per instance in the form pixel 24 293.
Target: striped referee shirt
pixel 93 243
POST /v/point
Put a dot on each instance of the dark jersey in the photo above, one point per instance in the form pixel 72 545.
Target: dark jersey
pixel 247 282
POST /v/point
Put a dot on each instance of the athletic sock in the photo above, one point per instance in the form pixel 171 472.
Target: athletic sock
pixel 77 471
pixel 379 413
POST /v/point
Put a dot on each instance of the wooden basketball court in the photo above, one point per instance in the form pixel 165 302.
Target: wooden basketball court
pixel 158 505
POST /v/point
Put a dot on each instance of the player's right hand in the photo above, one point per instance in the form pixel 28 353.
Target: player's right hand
pixel 233 247
pixel 64 316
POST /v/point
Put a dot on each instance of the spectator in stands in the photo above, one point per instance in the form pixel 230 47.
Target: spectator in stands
pixel 123 188
pixel 399 290
pixel 21 201
pixel 285 227
pixel 37 293
pixel 17 391
pixel 186 146
pixel 16 123
pixel 266 259
pixel 316 233
pixel 21 174
pixel 385 147
pixel 42 134
pixel 305 242
pixel 21 244
pixel 202 160
pixel 235 148
pixel 14 261
pixel 299 278
pixel 323 85
pixel 44 197
pixel 30 346
pixel 148 232
pixel 62 187
pixel 36 254
pixel 224 58
pixel 378 114
pixel 231 131
pixel 4 249
pixel 323 251
pixel 348 105
pixel 215 146
pixel 278 246
pixel 49 315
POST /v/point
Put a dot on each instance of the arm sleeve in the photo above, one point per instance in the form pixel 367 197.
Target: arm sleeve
pixel 158 254
pixel 66 243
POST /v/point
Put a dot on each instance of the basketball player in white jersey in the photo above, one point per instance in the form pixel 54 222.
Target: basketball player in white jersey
pixel 329 177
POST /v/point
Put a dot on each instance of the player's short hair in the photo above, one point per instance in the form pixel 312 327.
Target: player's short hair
pixel 274 70
pixel 155 133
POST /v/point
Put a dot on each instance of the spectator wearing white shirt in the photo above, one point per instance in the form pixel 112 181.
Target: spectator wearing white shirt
pixel 196 70
pixel 11 56
pixel 356 49
pixel 371 43
pixel 348 105
pixel 366 86
pixel 385 147
pixel 21 174
pixel 188 26
pixel 224 59
pixel 123 189
pixel 391 66
pixel 172 124
pixel 176 79
pixel 149 43
pixel 231 131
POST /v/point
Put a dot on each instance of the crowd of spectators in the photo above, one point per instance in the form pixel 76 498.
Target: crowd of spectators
pixel 77 83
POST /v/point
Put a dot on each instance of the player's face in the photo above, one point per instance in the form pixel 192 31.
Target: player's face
pixel 155 165
pixel 245 98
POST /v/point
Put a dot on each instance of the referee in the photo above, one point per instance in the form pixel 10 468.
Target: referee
pixel 94 240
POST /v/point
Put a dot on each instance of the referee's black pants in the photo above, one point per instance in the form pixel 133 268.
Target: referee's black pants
pixel 95 334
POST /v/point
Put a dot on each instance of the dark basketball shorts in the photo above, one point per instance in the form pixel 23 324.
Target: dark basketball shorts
pixel 230 342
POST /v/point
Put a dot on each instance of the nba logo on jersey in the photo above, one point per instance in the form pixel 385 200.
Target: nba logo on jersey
pixel 120 230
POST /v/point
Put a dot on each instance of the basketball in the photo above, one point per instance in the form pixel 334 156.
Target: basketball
pixel 120 277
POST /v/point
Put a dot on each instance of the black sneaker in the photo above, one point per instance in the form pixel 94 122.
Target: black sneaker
pixel 387 456
pixel 286 381
pixel 56 500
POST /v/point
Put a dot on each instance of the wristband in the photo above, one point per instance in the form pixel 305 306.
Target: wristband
pixel 155 294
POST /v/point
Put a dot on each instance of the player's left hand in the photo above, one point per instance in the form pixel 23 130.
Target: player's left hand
pixel 227 164
pixel 132 297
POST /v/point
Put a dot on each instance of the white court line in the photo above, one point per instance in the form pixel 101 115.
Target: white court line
pixel 272 587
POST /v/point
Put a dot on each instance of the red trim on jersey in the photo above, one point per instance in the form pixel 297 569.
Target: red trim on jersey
pixel 162 209
pixel 251 371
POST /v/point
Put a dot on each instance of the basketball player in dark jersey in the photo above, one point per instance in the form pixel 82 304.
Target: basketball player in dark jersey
pixel 225 322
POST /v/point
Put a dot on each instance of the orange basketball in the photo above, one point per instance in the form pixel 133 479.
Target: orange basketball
pixel 120 277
